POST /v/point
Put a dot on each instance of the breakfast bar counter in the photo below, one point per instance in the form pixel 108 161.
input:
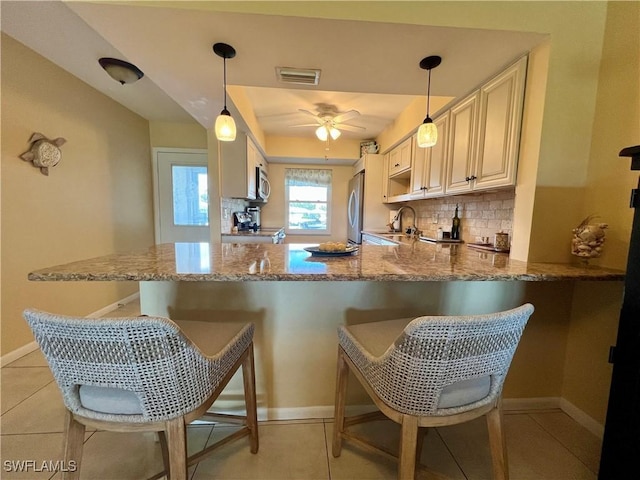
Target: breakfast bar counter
pixel 411 261
pixel 298 300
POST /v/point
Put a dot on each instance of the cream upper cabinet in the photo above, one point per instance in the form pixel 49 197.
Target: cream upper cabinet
pixel 399 169
pixel 461 157
pixel 385 179
pixel 238 162
pixel 400 158
pixel 429 164
pixel 252 162
pixel 499 120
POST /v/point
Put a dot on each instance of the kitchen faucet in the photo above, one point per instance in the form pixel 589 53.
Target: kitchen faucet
pixel 413 230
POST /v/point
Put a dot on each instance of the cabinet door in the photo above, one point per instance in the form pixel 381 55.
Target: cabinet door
pixel 252 163
pixel 385 179
pixel 419 171
pixel 400 158
pixel 462 136
pixel 500 115
pixel 436 160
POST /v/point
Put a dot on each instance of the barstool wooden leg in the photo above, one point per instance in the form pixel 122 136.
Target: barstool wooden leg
pixel 342 376
pixel 408 443
pixel 73 444
pixel 497 443
pixel 164 448
pixel 249 378
pixel 177 441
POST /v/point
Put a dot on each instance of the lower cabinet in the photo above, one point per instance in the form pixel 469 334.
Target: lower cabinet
pixel 375 240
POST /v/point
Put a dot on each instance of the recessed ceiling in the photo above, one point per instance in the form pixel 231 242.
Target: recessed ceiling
pixel 367 66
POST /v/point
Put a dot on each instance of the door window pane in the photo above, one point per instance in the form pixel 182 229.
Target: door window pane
pixel 190 195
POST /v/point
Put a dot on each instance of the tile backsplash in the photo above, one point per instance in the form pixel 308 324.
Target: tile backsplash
pixel 227 207
pixel 481 214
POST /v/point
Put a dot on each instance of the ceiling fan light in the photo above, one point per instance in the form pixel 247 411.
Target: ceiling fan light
pixel 322 133
pixel 225 127
pixel 334 132
pixel 427 134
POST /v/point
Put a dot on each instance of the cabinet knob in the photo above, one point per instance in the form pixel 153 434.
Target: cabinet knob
pixel 472 177
pixel 397 165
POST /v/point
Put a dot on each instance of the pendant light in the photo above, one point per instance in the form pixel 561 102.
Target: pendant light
pixel 225 125
pixel 428 132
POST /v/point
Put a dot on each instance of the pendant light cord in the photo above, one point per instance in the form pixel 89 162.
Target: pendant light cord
pixel 428 92
pixel 224 63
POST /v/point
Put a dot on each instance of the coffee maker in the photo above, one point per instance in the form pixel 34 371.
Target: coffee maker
pixel 255 215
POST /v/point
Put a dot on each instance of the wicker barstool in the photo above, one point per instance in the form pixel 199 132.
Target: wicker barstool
pixel 138 374
pixel 428 372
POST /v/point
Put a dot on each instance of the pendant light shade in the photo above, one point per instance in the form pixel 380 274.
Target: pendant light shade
pixel 428 132
pixel 225 127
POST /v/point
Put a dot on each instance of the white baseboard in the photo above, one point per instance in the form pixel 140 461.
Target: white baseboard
pixel 30 347
pixel 114 306
pixel 508 405
pixel 530 404
pixel 582 418
pixel 18 353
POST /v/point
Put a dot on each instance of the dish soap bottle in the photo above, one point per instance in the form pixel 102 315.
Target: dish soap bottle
pixel 455 226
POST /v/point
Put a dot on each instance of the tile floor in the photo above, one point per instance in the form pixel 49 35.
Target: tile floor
pixel 541 445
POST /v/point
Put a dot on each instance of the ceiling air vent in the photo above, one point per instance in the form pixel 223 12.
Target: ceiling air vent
pixel 304 76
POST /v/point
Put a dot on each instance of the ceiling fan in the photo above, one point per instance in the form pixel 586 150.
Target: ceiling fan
pixel 329 122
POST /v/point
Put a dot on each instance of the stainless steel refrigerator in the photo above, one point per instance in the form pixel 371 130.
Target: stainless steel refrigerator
pixel 355 208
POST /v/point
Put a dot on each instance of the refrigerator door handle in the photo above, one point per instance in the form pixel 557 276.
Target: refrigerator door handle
pixel 352 210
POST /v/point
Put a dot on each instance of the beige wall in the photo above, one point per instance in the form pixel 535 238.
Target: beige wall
pixel 96 201
pixel 596 306
pixel 273 213
pixel 177 135
pixel 616 125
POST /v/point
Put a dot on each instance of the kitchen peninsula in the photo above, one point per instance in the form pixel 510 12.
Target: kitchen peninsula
pixel 297 301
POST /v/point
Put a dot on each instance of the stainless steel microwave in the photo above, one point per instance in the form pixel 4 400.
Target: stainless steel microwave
pixel 263 187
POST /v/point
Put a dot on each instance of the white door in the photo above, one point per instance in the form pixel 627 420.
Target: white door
pixel 181 200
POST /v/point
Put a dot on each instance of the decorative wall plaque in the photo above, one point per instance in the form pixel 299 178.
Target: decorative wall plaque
pixel 44 153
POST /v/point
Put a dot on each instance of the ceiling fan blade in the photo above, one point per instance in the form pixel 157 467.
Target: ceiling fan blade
pixel 343 117
pixel 307 112
pixel 350 128
pixel 305 125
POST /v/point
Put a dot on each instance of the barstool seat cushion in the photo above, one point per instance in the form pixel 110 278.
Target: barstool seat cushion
pixel 115 401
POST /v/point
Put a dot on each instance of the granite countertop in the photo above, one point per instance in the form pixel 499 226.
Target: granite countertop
pixel 408 261
pixel 261 232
